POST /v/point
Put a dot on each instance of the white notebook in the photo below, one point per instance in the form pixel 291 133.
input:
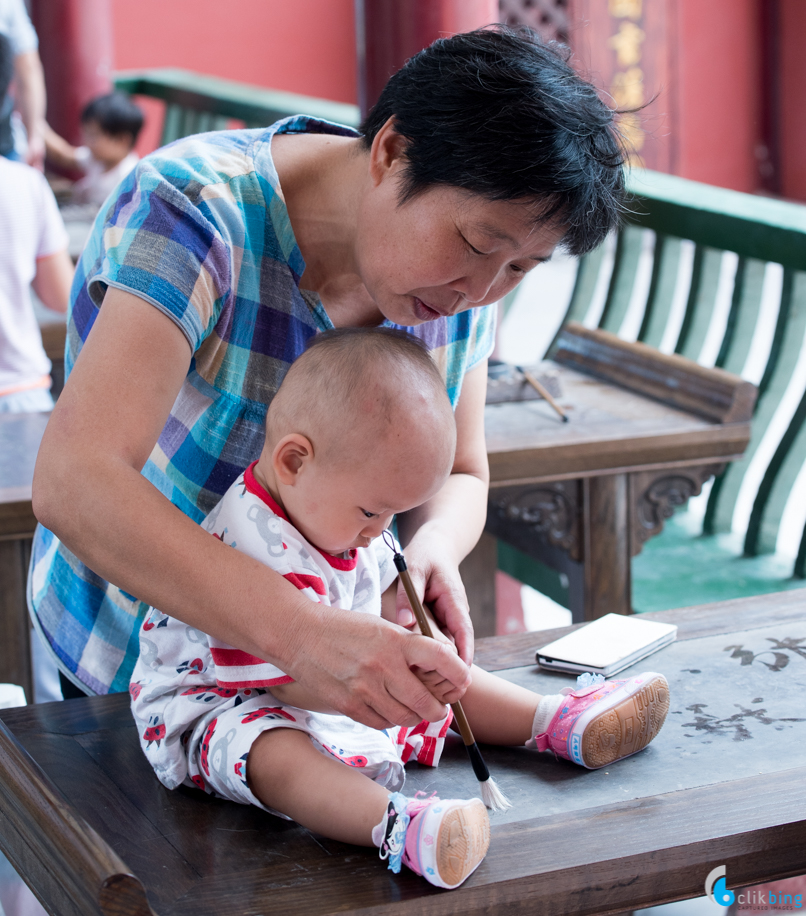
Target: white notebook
pixel 607 645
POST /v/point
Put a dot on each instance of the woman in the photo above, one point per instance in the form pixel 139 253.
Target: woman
pixel 220 257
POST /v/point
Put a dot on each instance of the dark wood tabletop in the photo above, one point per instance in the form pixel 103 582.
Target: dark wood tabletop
pixel 610 430
pixel 721 785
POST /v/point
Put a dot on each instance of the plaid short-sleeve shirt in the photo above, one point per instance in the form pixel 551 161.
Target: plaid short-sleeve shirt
pixel 200 230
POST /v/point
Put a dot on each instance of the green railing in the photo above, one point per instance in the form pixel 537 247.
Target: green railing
pixel 197 102
pixel 759 230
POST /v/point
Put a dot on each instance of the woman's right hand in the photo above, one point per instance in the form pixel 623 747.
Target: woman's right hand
pixel 378 685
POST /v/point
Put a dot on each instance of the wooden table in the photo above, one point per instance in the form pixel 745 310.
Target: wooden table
pixel 81 812
pixel 645 432
pixel 20 435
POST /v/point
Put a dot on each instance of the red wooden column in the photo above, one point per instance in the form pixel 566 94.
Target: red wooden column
pixel 76 48
pixel 389 32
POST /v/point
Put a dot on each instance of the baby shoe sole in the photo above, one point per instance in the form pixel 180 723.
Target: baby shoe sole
pixel 628 725
pixel 462 842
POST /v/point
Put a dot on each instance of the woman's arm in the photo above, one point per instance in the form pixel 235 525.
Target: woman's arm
pixel 438 535
pixel 89 491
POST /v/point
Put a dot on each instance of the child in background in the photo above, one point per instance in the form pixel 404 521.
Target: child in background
pixel 360 429
pixel 110 125
pixel 33 251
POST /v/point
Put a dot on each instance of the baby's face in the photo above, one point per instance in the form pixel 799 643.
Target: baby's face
pixel 347 506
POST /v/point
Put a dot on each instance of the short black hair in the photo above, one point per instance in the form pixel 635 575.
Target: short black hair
pixel 6 65
pixel 499 112
pixel 115 114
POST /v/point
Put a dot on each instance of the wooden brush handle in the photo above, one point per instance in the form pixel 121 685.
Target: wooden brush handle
pixel 425 627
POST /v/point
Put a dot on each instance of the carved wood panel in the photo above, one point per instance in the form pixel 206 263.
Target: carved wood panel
pixel 549 512
pixel 549 18
pixel 654 496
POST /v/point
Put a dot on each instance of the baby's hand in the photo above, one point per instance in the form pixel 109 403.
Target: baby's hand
pixel 437 686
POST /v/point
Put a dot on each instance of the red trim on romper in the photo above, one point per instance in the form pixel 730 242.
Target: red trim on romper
pixel 303 581
pixel 266 682
pixel 346 563
pixel 252 485
pixel 234 658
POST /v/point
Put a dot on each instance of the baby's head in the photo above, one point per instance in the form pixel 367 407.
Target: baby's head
pixel 361 429
pixel 110 125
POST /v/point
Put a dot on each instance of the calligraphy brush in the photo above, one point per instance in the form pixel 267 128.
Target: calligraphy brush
pixel 541 390
pixel 491 795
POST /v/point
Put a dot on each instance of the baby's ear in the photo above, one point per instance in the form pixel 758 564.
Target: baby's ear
pixel 289 457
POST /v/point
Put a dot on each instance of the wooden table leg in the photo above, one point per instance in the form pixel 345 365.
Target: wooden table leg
pixel 606 537
pixel 15 626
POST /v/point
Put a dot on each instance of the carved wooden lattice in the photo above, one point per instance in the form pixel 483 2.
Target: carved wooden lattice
pixel 549 18
pixel 547 512
pixel 655 496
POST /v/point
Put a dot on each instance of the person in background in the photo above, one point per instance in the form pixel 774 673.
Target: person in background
pixel 110 125
pixel 33 250
pixel 30 86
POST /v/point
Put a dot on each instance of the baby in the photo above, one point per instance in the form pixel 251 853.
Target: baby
pixel 360 429
pixel 110 125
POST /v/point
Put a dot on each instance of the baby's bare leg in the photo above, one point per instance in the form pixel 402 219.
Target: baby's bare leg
pixel 499 712
pixel 610 720
pixel 287 773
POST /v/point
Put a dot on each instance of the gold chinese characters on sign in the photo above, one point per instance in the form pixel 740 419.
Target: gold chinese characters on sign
pixel 628 9
pixel 627 87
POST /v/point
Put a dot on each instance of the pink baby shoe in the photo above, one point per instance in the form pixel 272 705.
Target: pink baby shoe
pixel 601 721
pixel 444 841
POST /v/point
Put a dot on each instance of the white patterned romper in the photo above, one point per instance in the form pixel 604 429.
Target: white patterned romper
pixel 200 704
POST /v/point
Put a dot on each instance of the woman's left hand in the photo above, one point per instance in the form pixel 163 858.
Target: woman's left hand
pixel 438 535
pixel 435 576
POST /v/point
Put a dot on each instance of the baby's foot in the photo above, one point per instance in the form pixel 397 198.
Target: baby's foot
pixel 598 724
pixel 444 841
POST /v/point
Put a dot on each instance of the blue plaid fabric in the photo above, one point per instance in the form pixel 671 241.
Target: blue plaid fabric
pixel 200 230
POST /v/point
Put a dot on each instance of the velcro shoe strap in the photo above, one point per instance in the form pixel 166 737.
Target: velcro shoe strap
pixel 586 690
pixel 542 742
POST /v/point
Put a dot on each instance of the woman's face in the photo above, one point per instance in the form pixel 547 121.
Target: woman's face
pixel 444 251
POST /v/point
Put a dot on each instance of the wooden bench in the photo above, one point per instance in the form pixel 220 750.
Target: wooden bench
pixel 708 273
pixel 92 831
